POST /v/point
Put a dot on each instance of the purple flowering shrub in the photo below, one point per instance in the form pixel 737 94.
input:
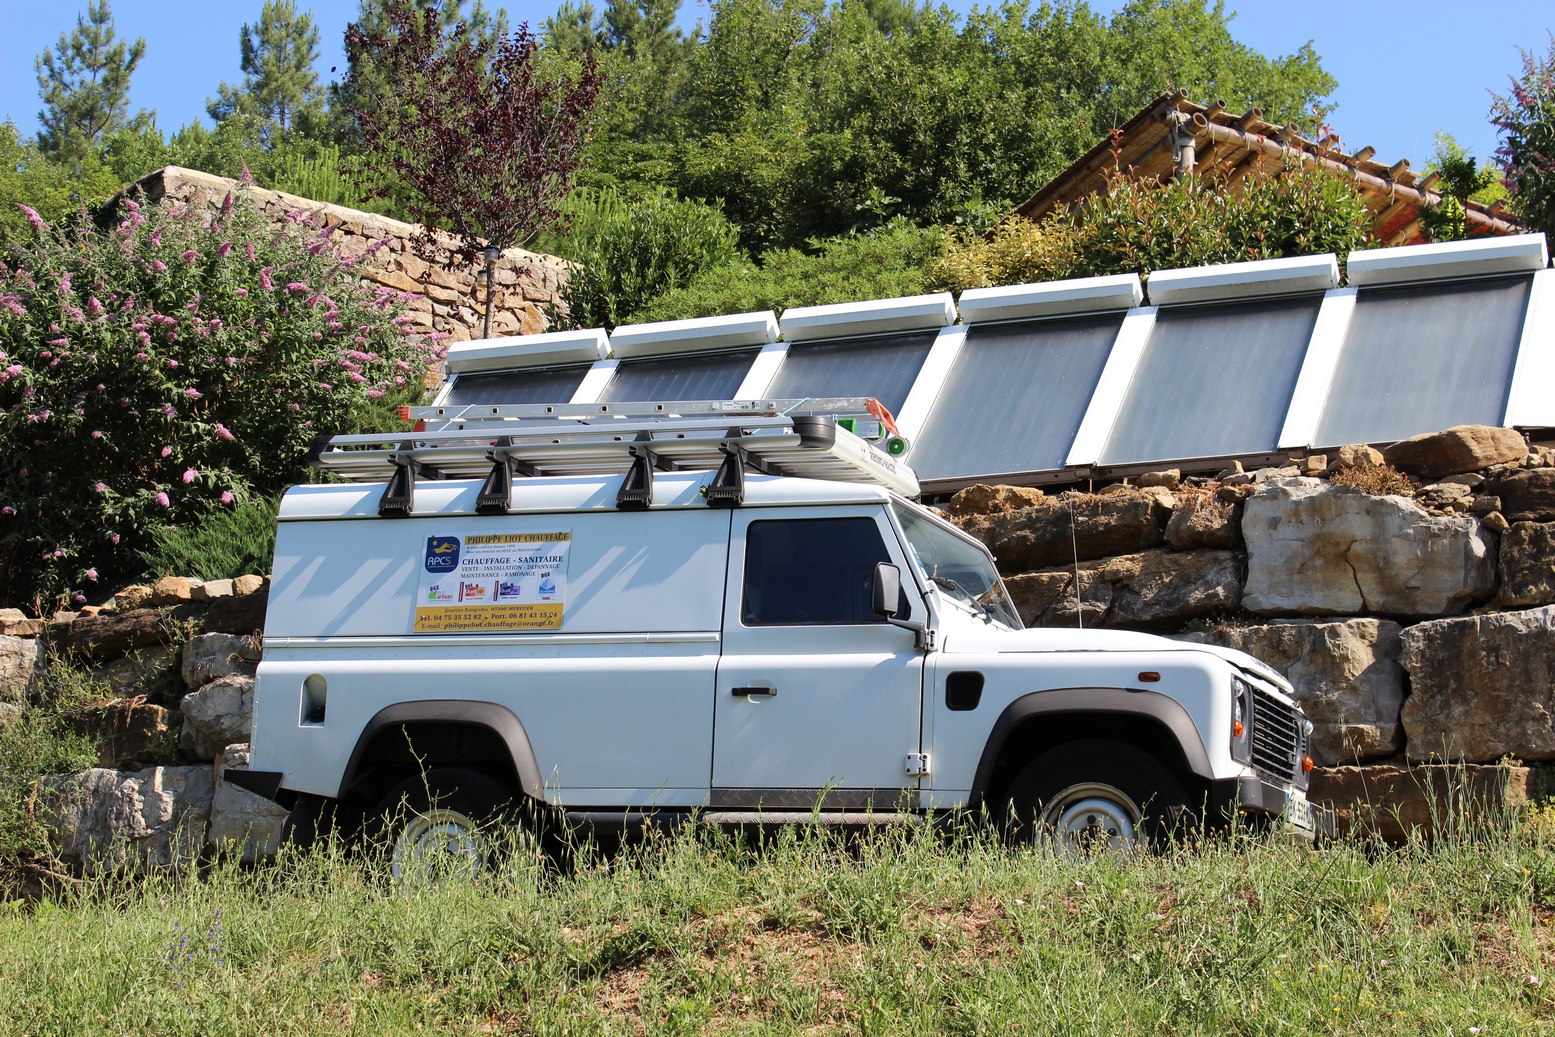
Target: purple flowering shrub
pixel 1525 122
pixel 168 367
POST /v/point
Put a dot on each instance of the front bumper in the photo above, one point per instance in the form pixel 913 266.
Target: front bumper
pixel 1284 806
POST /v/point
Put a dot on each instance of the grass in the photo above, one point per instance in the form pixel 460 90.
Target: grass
pixel 897 932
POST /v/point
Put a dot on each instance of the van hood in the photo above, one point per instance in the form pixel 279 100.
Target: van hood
pixel 1051 639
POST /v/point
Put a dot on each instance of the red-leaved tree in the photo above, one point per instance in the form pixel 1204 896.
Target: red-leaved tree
pixel 485 140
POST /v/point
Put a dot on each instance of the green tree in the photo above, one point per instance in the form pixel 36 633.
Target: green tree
pixel 279 81
pixel 85 84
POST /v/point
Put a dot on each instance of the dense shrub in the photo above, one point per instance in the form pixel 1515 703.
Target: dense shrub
pixel 224 545
pixel 1138 226
pixel 882 264
pixel 1525 122
pixel 633 250
pixel 159 371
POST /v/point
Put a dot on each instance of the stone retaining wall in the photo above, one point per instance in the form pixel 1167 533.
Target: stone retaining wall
pixel 1413 606
pixel 446 296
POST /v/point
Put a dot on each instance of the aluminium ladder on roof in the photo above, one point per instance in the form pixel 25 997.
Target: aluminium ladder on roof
pixel 612 439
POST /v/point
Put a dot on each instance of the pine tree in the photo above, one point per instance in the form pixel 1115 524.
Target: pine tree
pixel 279 80
pixel 85 85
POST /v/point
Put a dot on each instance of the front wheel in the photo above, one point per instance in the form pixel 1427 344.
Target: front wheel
pixel 1096 795
pixel 437 825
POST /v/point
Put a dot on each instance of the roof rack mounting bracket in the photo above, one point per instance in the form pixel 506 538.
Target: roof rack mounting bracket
pixel 636 493
pixel 727 490
pixel 497 490
pixel 399 497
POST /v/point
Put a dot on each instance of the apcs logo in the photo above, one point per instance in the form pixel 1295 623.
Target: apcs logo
pixel 442 554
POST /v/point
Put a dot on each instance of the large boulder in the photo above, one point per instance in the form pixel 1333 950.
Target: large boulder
pixel 144 673
pixel 241 821
pixel 1462 448
pixel 1202 522
pixel 1152 588
pixel 112 634
pixel 982 499
pixel 209 656
pixel 1061 529
pixel 128 732
pixel 1320 549
pixel 104 820
pixel 239 614
pixel 1345 674
pixel 16 623
pixel 1395 804
pixel 1481 687
pixel 217 715
pixel 21 661
pixel 1527 496
pixel 1527 565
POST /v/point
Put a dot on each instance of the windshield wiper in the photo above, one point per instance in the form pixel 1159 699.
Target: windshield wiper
pixel 976 601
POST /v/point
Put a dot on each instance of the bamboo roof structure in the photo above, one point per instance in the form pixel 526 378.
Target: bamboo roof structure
pixel 1173 135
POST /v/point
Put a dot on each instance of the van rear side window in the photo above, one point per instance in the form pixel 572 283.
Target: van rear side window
pixel 807 572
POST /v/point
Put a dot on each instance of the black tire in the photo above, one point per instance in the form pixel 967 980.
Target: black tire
pixel 310 820
pixel 1096 794
pixel 440 824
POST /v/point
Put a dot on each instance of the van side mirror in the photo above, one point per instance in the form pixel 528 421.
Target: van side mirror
pixel 887 590
pixel 885 599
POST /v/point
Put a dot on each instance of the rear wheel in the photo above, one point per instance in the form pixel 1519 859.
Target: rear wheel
pixel 439 825
pixel 1097 795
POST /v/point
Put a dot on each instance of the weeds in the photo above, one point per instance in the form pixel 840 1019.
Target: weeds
pixel 1376 479
pixel 900 931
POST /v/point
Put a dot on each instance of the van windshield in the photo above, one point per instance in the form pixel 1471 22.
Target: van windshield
pixel 959 566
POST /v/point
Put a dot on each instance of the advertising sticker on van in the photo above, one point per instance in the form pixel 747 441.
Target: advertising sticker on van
pixel 493 582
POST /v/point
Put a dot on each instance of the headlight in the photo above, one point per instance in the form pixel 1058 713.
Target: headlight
pixel 1241 719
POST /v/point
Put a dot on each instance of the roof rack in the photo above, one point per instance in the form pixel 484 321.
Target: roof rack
pixel 499 444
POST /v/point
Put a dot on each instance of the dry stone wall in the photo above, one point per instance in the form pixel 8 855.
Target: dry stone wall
pixel 443 294
pixel 1410 598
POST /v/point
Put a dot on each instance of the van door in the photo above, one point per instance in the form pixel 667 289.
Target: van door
pixel 816 694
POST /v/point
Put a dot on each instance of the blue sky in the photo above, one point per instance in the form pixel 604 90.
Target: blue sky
pixel 1404 71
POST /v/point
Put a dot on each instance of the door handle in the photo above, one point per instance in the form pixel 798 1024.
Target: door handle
pixel 751 692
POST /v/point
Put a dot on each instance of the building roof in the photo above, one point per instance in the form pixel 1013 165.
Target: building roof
pixel 1238 145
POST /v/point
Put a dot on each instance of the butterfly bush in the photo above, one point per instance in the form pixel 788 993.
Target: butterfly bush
pixel 169 366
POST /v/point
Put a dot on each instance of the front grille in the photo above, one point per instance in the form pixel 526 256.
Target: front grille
pixel 1276 735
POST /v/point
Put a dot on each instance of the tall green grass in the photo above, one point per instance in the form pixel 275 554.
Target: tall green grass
pixel 895 932
pixel 221 545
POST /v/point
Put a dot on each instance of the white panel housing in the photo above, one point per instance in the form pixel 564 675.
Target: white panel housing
pixel 1244 280
pixel 1051 298
pixel 1531 402
pixel 930 381
pixel 1516 254
pixel 688 336
pixel 762 371
pixel 517 352
pixel 913 313
pixel 595 382
pixel 1317 369
pixel 1127 350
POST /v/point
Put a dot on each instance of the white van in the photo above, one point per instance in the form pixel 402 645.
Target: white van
pixel 743 617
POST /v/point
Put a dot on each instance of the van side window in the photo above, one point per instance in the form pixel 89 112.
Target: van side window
pixel 810 571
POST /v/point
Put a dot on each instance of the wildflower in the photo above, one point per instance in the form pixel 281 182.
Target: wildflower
pixel 7 510
pixel 97 434
pixel 224 250
pixel 156 237
pixel 33 217
pixel 242 293
pixel 190 475
pixel 226 497
pixel 55 342
pixel 193 393
pixel 64 283
pixel 163 500
pixel 264 279
pixel 297 288
pixel 91 574
pixel 222 432
pixel 93 307
pixel 172 363
pixel 167 451
pixel 113 538
pixel 101 487
pixel 190 255
pixel 158 265
pixel 226 205
pixel 78 598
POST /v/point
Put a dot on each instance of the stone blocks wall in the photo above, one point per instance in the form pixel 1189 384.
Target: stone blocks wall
pixel 444 294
